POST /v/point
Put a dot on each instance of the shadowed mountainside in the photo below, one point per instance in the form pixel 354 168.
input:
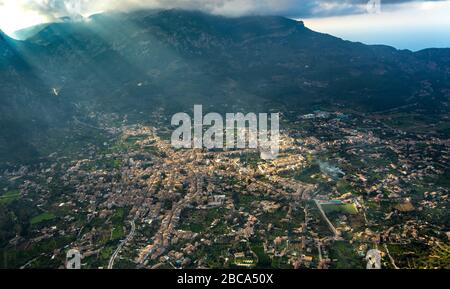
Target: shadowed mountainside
pixel 138 62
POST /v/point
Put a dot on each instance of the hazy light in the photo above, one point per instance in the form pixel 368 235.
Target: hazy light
pixel 406 26
pixel 14 16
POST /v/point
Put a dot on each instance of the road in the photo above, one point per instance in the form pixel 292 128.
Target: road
pixel 332 228
pixel 390 257
pixel 119 248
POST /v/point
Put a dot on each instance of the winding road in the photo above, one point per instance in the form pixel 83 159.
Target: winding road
pixel 122 244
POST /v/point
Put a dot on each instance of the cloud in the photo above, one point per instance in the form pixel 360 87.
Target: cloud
pixel 411 26
pixel 293 8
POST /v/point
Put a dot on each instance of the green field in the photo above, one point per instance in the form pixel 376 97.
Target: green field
pixel 117 232
pixel 341 208
pixel 346 256
pixel 9 197
pixel 47 216
pixel 264 260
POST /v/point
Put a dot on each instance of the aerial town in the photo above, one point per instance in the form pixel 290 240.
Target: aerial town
pixel 342 185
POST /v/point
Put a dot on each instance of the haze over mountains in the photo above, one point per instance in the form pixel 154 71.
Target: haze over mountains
pixel 136 63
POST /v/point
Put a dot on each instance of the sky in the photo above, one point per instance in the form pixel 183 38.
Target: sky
pixel 404 24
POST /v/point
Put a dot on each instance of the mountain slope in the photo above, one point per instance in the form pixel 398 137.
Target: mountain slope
pixel 266 57
pixel 138 62
pixel 27 108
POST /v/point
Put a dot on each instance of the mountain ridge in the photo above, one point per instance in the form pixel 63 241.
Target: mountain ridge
pixel 139 62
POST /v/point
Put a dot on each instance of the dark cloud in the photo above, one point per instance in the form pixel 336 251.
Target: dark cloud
pixel 293 8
